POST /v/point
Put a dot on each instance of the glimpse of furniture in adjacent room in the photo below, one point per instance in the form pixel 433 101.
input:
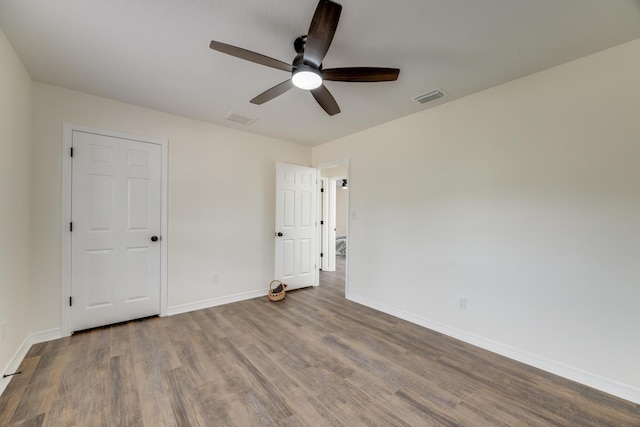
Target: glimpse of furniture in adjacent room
pixel 341 245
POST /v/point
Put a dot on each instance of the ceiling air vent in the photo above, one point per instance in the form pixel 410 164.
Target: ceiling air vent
pixel 239 118
pixel 429 96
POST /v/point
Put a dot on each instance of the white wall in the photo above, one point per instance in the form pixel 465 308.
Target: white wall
pixel 525 199
pixel 221 199
pixel 15 171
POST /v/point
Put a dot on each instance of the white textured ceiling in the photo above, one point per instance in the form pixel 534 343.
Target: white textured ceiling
pixel 155 53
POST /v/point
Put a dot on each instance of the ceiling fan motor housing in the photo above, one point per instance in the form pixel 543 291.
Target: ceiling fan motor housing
pixel 299 44
pixel 304 76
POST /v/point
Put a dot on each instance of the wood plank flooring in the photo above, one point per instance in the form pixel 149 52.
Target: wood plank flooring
pixel 313 359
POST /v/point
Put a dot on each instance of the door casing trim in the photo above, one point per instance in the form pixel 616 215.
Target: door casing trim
pixel 65 280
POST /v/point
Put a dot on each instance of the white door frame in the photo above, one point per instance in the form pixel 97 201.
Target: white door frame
pixel 67 140
pixel 338 162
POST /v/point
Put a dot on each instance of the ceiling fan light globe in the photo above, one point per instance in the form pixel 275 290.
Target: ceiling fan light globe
pixel 307 79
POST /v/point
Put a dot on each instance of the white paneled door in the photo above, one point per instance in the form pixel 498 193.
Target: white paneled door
pixel 116 224
pixel 295 236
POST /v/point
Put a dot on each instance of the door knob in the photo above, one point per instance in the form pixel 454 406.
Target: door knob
pixel 154 238
pixel 279 234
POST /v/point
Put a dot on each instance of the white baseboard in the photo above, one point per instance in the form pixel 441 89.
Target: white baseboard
pixel 44 336
pixel 606 385
pixel 21 352
pixel 14 363
pixel 185 308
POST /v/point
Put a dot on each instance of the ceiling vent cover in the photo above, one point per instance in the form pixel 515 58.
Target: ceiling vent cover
pixel 429 96
pixel 239 118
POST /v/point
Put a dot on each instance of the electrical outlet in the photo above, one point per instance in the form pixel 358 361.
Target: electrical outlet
pixel 462 303
pixel 214 278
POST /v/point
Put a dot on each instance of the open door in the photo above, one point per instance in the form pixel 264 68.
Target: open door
pixel 295 228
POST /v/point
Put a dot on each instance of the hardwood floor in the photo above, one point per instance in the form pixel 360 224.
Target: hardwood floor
pixel 313 359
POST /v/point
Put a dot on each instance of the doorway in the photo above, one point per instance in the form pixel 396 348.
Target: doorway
pixel 334 222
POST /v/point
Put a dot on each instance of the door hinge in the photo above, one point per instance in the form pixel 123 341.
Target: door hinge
pixel 71 226
pixel 321 255
pixel 322 190
pixel 70 301
pixel 321 222
pixel 71 152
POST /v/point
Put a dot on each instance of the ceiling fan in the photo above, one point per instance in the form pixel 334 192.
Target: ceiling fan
pixel 306 70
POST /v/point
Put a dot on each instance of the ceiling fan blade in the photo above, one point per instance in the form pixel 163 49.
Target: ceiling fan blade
pixel 248 55
pixel 361 74
pixel 323 27
pixel 269 94
pixel 326 100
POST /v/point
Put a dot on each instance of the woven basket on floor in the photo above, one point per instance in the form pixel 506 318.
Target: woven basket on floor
pixel 277 290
